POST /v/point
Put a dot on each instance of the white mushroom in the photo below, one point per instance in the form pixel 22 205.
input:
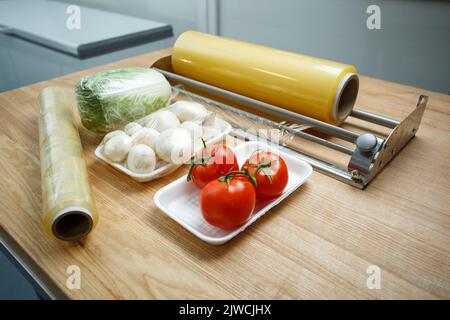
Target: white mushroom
pixel 210 132
pixel 194 128
pixel 132 128
pixel 162 121
pixel 174 145
pixel 111 134
pixel 141 159
pixel 146 136
pixel 189 111
pixel 117 148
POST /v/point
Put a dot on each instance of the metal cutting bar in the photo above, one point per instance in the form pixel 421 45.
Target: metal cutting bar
pixel 270 123
pixel 269 108
pixel 322 166
pixel 374 118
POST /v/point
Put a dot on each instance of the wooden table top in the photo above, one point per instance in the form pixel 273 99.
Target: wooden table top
pixel 318 243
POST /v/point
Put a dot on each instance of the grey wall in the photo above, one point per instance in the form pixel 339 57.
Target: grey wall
pixel 412 47
pixel 181 14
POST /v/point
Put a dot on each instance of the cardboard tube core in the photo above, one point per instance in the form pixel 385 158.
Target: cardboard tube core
pixel 72 225
pixel 346 96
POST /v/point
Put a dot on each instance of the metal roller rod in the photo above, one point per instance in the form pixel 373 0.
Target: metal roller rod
pixel 273 124
pixel 374 118
pixel 318 164
pixel 274 110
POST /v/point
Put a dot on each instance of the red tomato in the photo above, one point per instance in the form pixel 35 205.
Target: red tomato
pixel 272 175
pixel 228 204
pixel 211 163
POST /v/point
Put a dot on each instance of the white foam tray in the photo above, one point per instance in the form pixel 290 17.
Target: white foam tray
pixel 179 199
pixel 162 168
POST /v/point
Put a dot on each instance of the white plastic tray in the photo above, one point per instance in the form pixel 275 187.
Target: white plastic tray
pixel 162 168
pixel 179 199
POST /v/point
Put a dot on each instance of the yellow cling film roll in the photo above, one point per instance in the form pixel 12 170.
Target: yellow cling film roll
pixel 318 88
pixel 69 211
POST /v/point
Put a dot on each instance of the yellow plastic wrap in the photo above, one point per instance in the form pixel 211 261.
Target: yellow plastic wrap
pixel 314 87
pixel 69 211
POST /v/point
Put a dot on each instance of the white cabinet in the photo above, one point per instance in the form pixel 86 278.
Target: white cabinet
pixel 33 49
pixel 23 62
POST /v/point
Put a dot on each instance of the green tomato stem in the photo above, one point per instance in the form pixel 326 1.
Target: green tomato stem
pixel 243 173
pixel 201 161
pixel 262 166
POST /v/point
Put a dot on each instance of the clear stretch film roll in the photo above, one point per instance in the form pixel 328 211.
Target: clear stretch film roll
pixel 69 211
pixel 318 88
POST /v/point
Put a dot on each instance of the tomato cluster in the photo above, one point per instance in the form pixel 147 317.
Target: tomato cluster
pixel 229 194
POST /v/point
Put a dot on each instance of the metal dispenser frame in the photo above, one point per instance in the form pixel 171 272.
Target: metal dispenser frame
pixel 369 155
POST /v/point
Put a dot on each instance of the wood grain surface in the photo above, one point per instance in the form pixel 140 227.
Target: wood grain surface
pixel 316 244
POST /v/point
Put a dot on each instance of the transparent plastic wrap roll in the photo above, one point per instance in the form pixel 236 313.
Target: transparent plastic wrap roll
pixel 318 88
pixel 69 211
